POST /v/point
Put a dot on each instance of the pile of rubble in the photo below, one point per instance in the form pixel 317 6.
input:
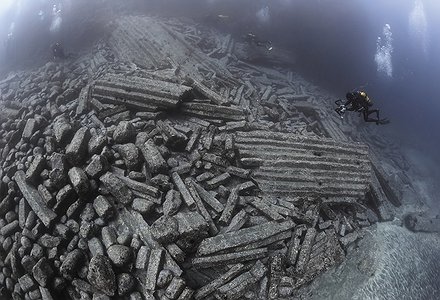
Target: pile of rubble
pixel 185 177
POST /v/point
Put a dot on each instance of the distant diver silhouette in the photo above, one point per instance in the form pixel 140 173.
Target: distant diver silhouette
pixel 252 39
pixel 360 102
pixel 57 51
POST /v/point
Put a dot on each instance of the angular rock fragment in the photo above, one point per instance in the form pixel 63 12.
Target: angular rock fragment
pixel 294 245
pixel 96 144
pixel 173 138
pixel 102 207
pixel 211 287
pixel 228 258
pixel 172 203
pixel 228 211
pixel 266 208
pixel 189 200
pixel 243 237
pixel 79 180
pixel 72 263
pixel 26 283
pixel 58 174
pixel 142 258
pixel 109 236
pixel 175 288
pixel 117 188
pixel 101 275
pixel 238 221
pixel 95 246
pixel 29 129
pixel 306 248
pixel 97 166
pixel 65 198
pixel 218 180
pixel 143 206
pixel 42 272
pixel 126 283
pixel 77 149
pixel 130 154
pixel 34 200
pixel 241 284
pixel 193 139
pixel 62 130
pixel 209 198
pixel 35 168
pixel 124 133
pixel 154 265
pixel 154 159
pixel 165 229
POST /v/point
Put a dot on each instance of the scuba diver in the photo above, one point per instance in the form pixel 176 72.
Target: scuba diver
pixel 252 39
pixel 360 102
pixel 57 51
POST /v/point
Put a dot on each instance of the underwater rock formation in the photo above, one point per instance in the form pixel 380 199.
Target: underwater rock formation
pixel 152 168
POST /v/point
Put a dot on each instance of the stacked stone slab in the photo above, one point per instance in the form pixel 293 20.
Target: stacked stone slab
pixel 304 166
pixel 140 93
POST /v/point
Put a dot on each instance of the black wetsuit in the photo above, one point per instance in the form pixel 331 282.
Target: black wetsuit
pixel 359 101
pixel 58 51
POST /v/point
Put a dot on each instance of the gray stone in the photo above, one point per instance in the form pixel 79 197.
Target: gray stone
pixel 10 228
pixel 130 154
pixel 126 283
pixel 79 180
pixel 49 241
pixel 34 200
pixel 58 174
pixel 183 189
pixel 187 294
pixel 228 258
pixel 143 206
pixel 42 272
pixel 72 263
pixel 34 170
pixel 172 203
pixel 247 238
pixel 142 258
pixel 117 188
pixel 101 275
pixel 175 288
pixel 109 236
pixel 155 263
pixel 124 133
pixel 26 283
pixel 96 144
pixel 97 166
pixel 102 207
pixel 164 278
pixel 165 229
pixel 120 255
pixel 62 130
pixel 77 149
pixel 95 246
pixel 29 129
pixel 154 159
pixel 65 198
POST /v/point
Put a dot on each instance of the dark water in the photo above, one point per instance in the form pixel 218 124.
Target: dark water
pixel 335 42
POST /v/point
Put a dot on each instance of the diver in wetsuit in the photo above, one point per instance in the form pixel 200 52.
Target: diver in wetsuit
pixel 57 51
pixel 252 39
pixel 360 102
